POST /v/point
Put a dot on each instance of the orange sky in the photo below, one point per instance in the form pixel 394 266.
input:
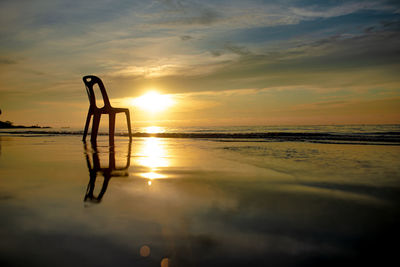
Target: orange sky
pixel 219 62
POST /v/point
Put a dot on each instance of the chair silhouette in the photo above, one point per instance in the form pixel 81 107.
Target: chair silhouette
pixel 96 112
pixel 93 163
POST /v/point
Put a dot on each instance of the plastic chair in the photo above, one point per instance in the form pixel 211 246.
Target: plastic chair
pixel 96 112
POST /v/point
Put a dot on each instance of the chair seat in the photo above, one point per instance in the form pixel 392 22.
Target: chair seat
pixel 107 110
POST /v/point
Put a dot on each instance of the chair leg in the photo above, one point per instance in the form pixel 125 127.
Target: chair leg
pixel 128 121
pixel 111 126
pixel 89 116
pixel 95 127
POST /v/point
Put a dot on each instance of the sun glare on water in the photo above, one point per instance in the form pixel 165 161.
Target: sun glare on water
pixel 153 102
pixel 154 129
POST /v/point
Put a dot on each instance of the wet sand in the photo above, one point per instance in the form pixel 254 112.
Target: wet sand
pixel 190 202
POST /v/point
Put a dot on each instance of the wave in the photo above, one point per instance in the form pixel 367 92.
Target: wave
pixel 383 138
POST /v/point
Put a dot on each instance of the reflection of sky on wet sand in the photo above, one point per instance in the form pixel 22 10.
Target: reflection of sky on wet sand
pixel 217 203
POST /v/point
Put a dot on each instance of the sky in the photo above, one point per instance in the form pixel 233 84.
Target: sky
pixel 288 62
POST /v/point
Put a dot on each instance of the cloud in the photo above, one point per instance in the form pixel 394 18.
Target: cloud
pixel 147 72
pixel 236 49
pixel 339 61
pixel 229 47
pixel 190 16
pixel 340 10
pixel 7 61
pixel 186 37
pixel 243 15
pixel 215 53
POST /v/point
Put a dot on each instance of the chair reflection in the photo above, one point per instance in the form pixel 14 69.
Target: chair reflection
pixel 95 167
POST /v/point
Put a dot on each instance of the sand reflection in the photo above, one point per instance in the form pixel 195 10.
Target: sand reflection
pixel 153 155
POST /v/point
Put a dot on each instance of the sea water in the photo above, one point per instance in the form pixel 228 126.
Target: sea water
pixel 386 132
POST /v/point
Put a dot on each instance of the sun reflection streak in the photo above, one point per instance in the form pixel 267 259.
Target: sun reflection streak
pixel 153 156
pixel 152 175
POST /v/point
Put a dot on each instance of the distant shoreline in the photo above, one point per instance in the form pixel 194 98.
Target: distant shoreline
pixel 372 138
pixel 9 125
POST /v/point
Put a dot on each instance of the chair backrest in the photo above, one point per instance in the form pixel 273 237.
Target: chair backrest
pixel 90 81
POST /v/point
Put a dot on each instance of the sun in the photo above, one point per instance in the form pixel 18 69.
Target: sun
pixel 153 102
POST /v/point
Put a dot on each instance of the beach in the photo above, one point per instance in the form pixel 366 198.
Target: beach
pixel 196 202
pixel 218 133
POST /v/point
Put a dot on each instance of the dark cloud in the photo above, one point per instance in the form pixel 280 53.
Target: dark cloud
pixel 230 48
pixel 7 61
pixel 369 29
pixel 187 13
pixel 186 37
pixel 372 48
pixel 176 4
pixel 36 72
pixel 236 49
pixel 200 17
pixel 216 53
pixel 391 24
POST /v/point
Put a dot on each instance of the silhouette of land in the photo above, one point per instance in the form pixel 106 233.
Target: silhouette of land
pixel 10 125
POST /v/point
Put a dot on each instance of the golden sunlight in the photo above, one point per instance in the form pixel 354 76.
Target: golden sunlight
pixel 153 156
pixel 152 175
pixel 153 102
pixel 154 129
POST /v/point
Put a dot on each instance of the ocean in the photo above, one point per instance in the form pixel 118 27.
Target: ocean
pixel 361 134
